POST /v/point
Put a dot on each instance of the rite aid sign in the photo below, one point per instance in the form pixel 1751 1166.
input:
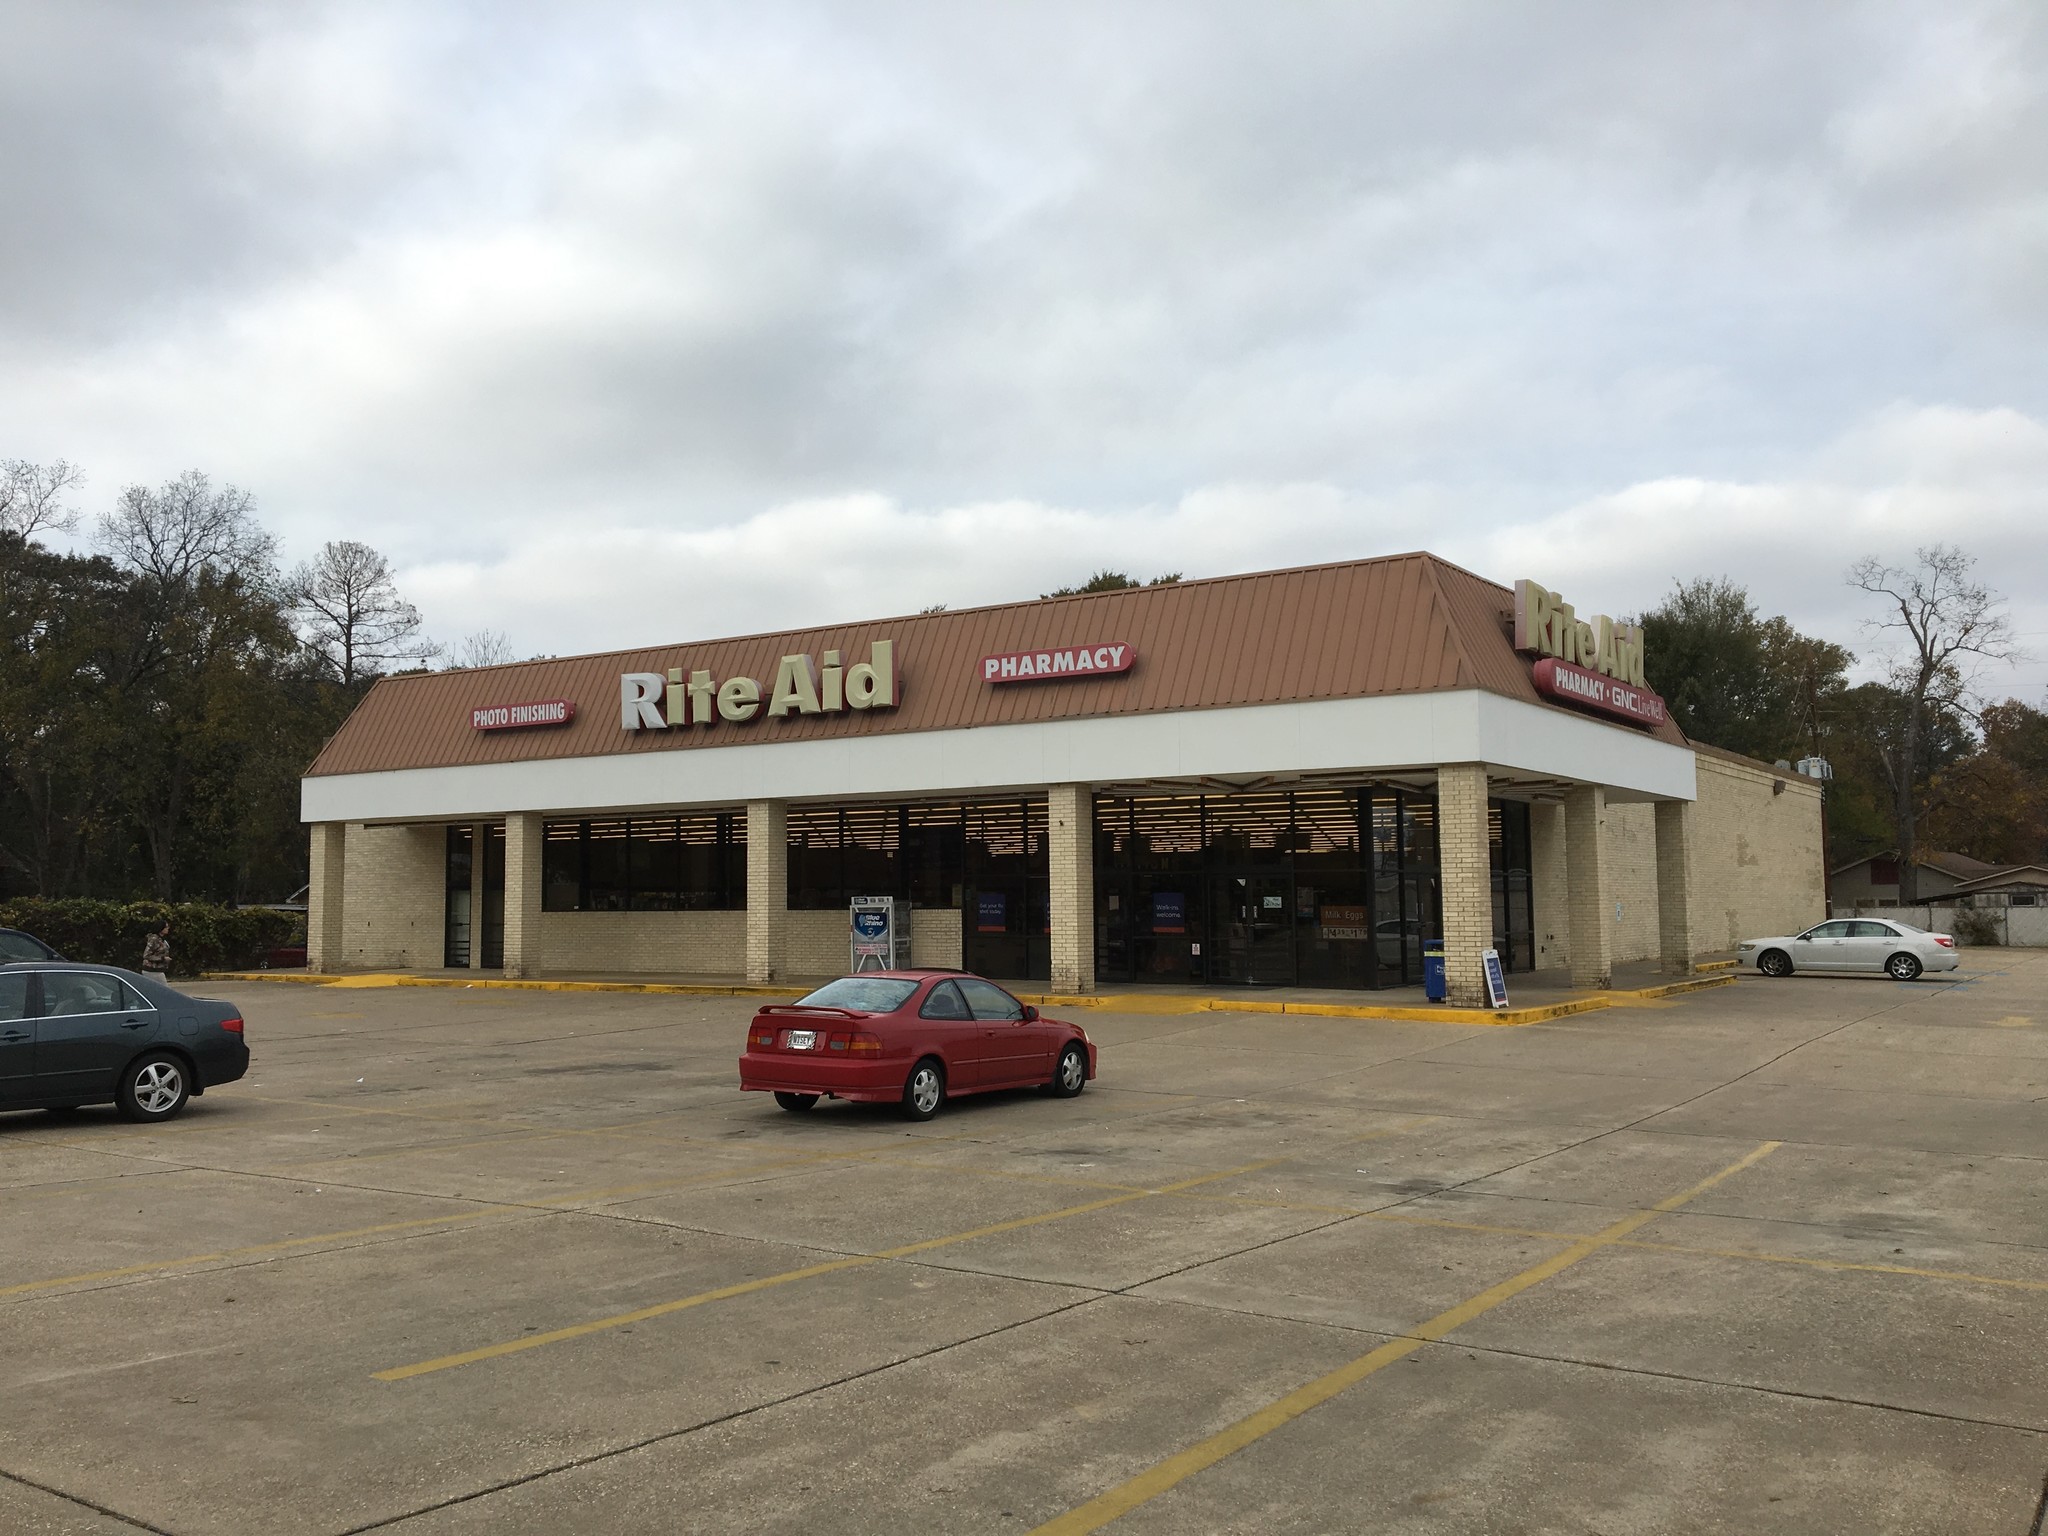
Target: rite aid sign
pixel 1067 661
pixel 1593 662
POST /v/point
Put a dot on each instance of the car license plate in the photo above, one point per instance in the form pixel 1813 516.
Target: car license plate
pixel 802 1039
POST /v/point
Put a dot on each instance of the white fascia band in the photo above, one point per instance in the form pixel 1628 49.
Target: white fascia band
pixel 1404 731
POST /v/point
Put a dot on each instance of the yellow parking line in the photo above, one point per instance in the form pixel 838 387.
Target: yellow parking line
pixel 1847 1266
pixel 496 1208
pixel 1151 1483
pixel 788 1277
pixel 1759 1255
pixel 242 1253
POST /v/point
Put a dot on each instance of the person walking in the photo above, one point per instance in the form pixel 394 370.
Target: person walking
pixel 156 954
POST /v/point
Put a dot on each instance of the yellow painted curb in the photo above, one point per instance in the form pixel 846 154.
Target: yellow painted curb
pixel 1127 1002
pixel 1704 966
pixel 353 979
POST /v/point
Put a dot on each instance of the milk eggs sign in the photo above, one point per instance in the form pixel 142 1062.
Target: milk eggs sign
pixel 1592 662
pixel 650 701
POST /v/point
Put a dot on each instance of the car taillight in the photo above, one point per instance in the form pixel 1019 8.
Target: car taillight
pixel 232 1026
pixel 1944 941
pixel 767 1038
pixel 864 1045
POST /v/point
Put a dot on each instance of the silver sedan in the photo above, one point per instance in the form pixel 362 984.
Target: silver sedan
pixel 1856 945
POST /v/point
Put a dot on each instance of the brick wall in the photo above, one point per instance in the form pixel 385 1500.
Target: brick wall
pixel 1756 854
pixel 673 943
pixel 326 941
pixel 1755 865
pixel 1467 880
pixel 1549 885
pixel 767 946
pixel 1629 839
pixel 936 936
pixel 394 898
pixel 714 943
pixel 1070 846
pixel 1590 916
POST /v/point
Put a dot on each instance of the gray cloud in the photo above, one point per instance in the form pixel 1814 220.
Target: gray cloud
pixel 472 282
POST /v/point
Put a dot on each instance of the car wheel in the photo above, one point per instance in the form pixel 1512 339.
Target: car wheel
pixel 925 1090
pixel 1773 962
pixel 1903 967
pixel 1071 1075
pixel 154 1088
pixel 796 1103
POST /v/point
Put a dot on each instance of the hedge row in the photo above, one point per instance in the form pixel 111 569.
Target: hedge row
pixel 203 937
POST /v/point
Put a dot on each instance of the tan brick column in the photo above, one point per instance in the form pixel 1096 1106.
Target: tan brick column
pixel 1591 922
pixel 1676 942
pixel 768 890
pixel 1550 886
pixel 479 846
pixel 1070 838
pixel 522 895
pixel 325 870
pixel 1467 880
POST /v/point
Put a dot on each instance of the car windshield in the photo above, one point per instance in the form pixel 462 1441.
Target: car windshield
pixel 1904 926
pixel 863 994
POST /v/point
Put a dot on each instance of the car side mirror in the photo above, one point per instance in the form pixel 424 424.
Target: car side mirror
pixel 1030 1014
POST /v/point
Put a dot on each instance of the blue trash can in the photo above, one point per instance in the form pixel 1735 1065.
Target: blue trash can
pixel 1433 970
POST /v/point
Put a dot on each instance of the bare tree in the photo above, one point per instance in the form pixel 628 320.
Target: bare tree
pixel 485 648
pixel 186 527
pixel 1943 625
pixel 350 612
pixel 32 497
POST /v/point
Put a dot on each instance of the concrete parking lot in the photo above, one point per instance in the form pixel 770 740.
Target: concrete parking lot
pixel 1768 1258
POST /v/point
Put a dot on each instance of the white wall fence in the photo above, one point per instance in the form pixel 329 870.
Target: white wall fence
pixel 2022 927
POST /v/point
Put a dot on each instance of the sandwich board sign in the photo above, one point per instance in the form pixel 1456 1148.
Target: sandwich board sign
pixel 1496 980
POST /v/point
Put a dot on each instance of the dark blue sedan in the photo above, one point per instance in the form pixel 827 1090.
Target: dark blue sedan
pixel 96 1034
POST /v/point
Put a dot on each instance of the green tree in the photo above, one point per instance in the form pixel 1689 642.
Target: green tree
pixel 1113 581
pixel 1992 803
pixel 1941 623
pixel 1736 680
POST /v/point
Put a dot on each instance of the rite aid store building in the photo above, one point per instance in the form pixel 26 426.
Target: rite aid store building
pixel 1293 778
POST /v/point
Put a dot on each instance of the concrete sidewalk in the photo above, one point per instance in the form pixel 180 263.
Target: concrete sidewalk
pixel 1533 996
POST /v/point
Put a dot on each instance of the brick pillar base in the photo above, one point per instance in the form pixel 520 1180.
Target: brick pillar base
pixel 1070 835
pixel 1592 924
pixel 767 890
pixel 1550 886
pixel 325 871
pixel 1467 880
pixel 1676 942
pixel 479 852
pixel 522 896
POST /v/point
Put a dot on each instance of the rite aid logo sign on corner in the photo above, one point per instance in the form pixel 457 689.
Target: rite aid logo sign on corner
pixel 1066 661
pixel 1593 662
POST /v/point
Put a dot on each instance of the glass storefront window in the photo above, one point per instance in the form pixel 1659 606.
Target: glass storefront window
pixel 659 864
pixel 1313 887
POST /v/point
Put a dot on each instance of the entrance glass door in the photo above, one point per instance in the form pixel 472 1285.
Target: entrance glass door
pixel 1252 917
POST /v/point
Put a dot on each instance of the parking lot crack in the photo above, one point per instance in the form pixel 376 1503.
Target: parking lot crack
pixel 84 1503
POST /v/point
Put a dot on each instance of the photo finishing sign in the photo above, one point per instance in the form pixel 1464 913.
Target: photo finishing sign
pixel 516 717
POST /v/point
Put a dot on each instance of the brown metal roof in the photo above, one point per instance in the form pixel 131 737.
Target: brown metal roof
pixel 1400 624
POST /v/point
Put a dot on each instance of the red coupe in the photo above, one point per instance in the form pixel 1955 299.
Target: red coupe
pixel 910 1037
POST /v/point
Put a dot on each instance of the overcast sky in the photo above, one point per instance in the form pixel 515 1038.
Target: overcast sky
pixel 618 324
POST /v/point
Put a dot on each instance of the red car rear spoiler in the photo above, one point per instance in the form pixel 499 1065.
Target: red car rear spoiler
pixel 808 1008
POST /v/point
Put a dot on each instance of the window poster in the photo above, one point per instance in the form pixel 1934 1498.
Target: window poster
pixel 1344 923
pixel 991 912
pixel 1169 912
